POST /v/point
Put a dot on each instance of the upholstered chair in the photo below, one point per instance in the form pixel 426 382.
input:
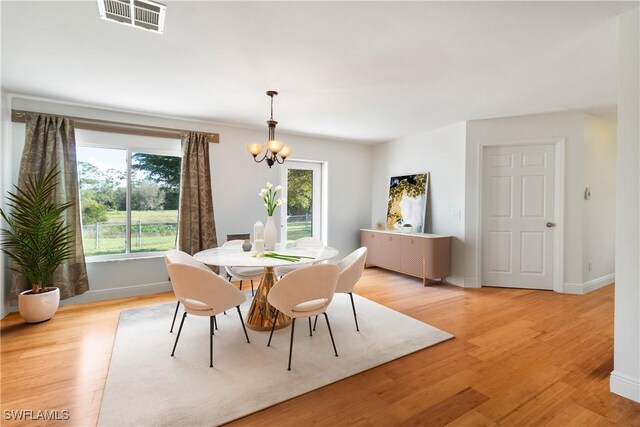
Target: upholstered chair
pixel 202 293
pixel 305 292
pixel 242 273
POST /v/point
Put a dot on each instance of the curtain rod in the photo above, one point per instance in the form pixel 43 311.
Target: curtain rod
pixel 20 116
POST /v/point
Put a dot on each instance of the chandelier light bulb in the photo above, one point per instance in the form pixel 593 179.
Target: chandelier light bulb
pixel 254 149
pixel 285 152
pixel 274 146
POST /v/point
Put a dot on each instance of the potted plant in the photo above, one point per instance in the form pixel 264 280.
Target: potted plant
pixel 37 241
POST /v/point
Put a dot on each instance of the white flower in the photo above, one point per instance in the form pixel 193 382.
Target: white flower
pixel 262 192
pixel 269 185
pixel 278 188
pixel 278 202
pixel 283 200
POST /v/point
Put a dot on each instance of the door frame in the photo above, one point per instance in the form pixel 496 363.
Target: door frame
pixel 558 241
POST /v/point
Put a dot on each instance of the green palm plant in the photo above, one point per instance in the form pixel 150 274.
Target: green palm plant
pixel 37 240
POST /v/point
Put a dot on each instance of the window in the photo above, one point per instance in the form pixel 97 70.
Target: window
pixel 301 188
pixel 128 199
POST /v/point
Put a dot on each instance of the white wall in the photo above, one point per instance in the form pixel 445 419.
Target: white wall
pixel 442 153
pixel 5 179
pixel 524 129
pixel 625 378
pixel 236 181
pixel 598 227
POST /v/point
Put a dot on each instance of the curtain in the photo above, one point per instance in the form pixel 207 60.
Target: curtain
pixel 50 142
pixel 196 222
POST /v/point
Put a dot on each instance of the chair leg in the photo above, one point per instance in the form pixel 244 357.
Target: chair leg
pixel 174 317
pixel 275 316
pixel 242 322
pixel 354 311
pixel 310 333
pixel 314 323
pixel 330 334
pixel 240 284
pixel 212 320
pixel 178 336
pixel 215 322
pixel 252 293
pixel 293 327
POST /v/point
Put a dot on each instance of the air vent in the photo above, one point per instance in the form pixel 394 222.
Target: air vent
pixel 147 14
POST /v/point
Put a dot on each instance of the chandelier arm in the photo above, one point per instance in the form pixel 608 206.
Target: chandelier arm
pixel 279 159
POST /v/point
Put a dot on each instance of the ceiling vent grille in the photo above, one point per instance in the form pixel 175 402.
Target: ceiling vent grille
pixel 147 14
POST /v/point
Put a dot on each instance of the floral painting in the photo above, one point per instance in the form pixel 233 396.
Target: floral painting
pixel 407 202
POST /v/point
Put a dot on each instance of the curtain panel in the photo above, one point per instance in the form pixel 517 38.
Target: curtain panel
pixel 49 143
pixel 196 222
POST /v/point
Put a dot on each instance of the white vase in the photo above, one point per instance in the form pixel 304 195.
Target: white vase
pixel 35 308
pixel 270 234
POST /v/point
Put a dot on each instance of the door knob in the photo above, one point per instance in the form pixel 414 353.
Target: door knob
pixel 550 224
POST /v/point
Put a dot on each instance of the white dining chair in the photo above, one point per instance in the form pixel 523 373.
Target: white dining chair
pixel 180 256
pixel 303 242
pixel 305 292
pixel 242 273
pixel 202 293
pixel 351 268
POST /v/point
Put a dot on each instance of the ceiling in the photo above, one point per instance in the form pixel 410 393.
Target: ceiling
pixel 366 71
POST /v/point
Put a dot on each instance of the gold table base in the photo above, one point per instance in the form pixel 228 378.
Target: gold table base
pixel 260 315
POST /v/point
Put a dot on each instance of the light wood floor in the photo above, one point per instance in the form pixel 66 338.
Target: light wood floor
pixel 520 357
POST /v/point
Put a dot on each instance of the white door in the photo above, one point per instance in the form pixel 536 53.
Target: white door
pixel 301 186
pixel 518 216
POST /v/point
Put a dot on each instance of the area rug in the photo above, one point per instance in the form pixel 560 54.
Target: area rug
pixel 147 387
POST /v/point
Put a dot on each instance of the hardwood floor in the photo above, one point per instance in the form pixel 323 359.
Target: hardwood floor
pixel 520 357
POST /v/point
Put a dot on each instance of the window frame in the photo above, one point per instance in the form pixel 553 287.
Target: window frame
pixel 129 150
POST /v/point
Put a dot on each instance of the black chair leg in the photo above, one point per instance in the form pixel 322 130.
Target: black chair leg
pixel 354 311
pixel 275 317
pixel 314 323
pixel 330 334
pixel 178 336
pixel 174 317
pixel 215 322
pixel 252 294
pixel 240 284
pixel 293 327
pixel 310 333
pixel 242 322
pixel 212 320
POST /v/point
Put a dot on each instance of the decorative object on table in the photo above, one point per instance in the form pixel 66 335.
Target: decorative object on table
pixel 380 225
pixel 283 257
pixel 276 151
pixel 37 240
pixel 269 195
pixel 407 201
pixel 258 237
pixel 407 228
pixel 246 246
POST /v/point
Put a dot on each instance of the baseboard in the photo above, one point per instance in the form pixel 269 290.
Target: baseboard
pixel 592 285
pixel 455 280
pixel 113 293
pixel 625 386
pixel 471 282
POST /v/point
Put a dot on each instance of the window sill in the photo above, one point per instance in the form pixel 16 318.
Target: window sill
pixel 124 257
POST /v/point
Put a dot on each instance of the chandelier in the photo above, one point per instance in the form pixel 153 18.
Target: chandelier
pixel 276 151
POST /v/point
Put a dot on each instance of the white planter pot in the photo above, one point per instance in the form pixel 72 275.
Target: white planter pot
pixel 36 308
pixel 270 234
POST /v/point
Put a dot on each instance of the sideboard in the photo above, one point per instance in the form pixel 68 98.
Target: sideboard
pixel 420 255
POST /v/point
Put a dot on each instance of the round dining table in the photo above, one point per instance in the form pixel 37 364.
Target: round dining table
pixel 260 315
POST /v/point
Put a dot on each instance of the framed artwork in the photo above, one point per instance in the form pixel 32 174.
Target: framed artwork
pixel 407 202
